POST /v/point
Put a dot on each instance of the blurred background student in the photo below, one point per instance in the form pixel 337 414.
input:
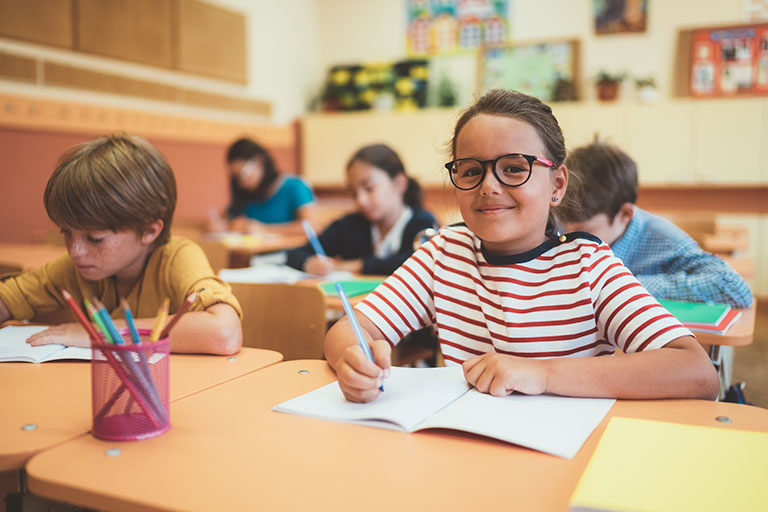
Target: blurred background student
pixel 379 236
pixel 261 198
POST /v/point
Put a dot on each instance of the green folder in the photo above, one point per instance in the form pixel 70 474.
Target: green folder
pixel 351 288
pixel 695 312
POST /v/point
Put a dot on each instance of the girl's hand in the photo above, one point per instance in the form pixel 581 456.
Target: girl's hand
pixel 72 335
pixel 500 375
pixel 359 378
pixel 319 265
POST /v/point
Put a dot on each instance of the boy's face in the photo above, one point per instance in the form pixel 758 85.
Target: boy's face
pixel 509 220
pixel 377 196
pixel 101 254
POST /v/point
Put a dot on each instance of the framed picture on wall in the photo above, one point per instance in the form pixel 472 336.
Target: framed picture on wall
pixel 618 16
pixel 549 70
pixel 729 61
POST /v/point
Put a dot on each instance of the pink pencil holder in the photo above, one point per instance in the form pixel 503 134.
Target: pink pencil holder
pixel 129 388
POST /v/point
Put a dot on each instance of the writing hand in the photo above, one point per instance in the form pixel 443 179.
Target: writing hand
pixel 359 378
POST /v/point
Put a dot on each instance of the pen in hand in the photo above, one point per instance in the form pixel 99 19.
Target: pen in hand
pixel 355 325
pixel 312 237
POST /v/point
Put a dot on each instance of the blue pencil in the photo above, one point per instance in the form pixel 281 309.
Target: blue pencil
pixel 313 240
pixel 355 324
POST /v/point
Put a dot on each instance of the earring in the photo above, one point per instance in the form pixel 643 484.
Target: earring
pixel 555 199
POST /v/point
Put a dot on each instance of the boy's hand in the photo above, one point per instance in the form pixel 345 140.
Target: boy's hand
pixel 72 335
pixel 319 265
pixel 500 375
pixel 359 378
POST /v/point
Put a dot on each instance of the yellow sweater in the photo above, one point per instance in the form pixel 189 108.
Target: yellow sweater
pixel 172 270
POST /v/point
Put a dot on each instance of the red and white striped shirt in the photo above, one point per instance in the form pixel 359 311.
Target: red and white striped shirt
pixel 573 298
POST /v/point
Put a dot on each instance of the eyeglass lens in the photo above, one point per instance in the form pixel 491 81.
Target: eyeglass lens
pixel 511 170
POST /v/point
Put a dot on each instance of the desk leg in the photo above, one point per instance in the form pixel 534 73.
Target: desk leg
pixel 723 361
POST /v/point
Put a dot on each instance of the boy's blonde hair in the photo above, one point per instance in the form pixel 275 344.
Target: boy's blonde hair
pixel 115 182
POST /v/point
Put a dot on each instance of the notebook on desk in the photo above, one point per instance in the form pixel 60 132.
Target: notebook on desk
pixel 352 287
pixel 424 398
pixel 653 465
pixel 698 316
pixel 14 347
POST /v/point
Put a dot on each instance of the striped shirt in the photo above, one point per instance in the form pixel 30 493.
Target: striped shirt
pixel 573 298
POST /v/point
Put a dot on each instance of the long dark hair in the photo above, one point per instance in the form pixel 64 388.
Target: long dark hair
pixel 246 149
pixel 500 102
pixel 383 157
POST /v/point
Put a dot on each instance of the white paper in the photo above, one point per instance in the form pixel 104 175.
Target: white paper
pixel 421 398
pixel 552 424
pixel 14 346
pixel 267 273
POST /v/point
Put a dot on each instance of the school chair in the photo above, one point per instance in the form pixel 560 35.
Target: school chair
pixel 217 253
pixel 283 317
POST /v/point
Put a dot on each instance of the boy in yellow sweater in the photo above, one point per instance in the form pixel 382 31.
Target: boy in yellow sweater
pixel 114 198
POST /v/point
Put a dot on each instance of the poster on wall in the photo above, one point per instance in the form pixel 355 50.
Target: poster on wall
pixel 618 16
pixel 547 70
pixel 438 27
pixel 729 61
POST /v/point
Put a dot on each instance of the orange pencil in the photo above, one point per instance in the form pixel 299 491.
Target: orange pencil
pixel 162 315
pixel 183 309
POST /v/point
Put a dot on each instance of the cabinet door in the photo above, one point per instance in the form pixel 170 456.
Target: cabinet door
pixel 727 141
pixel 660 142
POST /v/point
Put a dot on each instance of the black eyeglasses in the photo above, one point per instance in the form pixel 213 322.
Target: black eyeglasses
pixel 512 170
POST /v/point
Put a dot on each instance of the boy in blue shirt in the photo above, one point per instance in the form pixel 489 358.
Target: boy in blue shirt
pixel 668 262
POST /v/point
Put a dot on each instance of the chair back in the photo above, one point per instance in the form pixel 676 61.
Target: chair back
pixel 283 317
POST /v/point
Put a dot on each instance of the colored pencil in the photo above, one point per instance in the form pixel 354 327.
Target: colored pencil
pixel 355 324
pixel 129 320
pixel 183 309
pixel 313 240
pixel 162 315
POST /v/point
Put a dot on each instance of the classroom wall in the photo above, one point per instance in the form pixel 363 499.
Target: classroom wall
pixel 379 34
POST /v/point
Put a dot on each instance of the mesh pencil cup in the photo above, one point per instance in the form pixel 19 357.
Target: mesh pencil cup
pixel 129 388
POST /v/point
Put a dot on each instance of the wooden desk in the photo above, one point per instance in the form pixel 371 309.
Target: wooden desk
pixel 28 256
pixel 242 248
pixel 227 450
pixel 56 397
pixel 738 335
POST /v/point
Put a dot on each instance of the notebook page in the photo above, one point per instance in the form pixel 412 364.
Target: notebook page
pixel 548 423
pixel 410 395
pixel 14 346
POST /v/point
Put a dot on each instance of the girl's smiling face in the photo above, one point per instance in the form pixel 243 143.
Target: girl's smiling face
pixel 509 220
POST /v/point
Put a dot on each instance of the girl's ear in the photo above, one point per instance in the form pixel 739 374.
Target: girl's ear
pixel 401 183
pixel 152 232
pixel 559 182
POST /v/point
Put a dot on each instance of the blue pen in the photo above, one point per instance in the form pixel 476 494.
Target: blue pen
pixel 313 240
pixel 355 324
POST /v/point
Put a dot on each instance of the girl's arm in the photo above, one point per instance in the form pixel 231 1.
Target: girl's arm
pixel 681 369
pixel 216 330
pixel 4 313
pixel 359 378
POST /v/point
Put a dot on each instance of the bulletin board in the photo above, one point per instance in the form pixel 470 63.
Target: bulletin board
pixel 729 61
pixel 549 70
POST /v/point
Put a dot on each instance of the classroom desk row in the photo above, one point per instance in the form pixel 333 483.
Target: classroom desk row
pixel 226 450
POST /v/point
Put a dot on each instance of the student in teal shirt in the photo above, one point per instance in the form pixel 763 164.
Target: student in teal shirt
pixel 262 199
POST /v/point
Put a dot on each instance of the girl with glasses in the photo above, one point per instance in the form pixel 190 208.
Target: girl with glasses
pixel 518 305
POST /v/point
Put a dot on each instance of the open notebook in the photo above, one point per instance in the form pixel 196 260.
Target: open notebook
pixel 14 347
pixel 421 398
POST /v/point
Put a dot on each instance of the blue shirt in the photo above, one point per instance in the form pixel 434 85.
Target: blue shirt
pixel 284 204
pixel 671 265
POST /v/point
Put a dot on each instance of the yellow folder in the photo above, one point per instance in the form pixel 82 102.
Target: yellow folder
pixel 657 466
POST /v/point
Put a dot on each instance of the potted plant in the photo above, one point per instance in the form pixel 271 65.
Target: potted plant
pixel 608 85
pixel 646 89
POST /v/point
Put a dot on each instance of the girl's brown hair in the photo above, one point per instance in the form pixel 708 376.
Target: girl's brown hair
pixel 499 102
pixel 115 182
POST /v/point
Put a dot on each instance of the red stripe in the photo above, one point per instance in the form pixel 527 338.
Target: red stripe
pixel 656 335
pixel 548 293
pixel 386 301
pixel 451 358
pixel 388 286
pixel 545 339
pixel 606 301
pixel 553 353
pixel 634 314
pixel 646 324
pixel 512 325
pixel 462 347
pixel 391 325
pixel 621 306
pixel 464 333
